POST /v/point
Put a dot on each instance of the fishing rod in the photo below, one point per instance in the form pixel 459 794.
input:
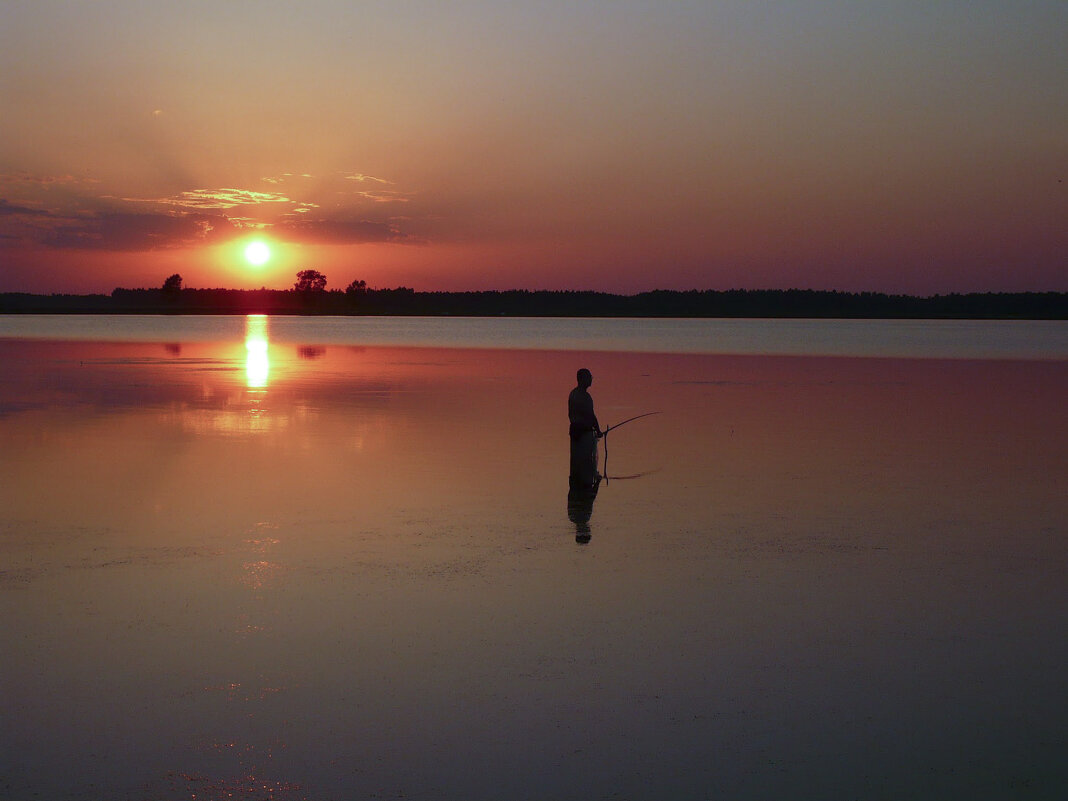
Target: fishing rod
pixel 629 419
pixel 604 436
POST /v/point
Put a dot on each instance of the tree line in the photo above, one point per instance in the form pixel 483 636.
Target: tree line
pixel 309 295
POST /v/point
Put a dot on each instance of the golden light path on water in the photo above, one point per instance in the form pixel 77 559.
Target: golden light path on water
pixel 257 362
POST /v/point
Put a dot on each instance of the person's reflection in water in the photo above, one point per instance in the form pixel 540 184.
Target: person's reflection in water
pixel 580 508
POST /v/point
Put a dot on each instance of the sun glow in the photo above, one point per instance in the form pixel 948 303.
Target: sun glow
pixel 257 253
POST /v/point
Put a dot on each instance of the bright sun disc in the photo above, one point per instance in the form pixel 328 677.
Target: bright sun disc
pixel 257 253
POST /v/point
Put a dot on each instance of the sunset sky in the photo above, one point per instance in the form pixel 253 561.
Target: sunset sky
pixel 615 145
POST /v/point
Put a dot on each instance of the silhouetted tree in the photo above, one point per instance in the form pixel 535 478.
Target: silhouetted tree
pixel 357 287
pixel 173 284
pixel 310 281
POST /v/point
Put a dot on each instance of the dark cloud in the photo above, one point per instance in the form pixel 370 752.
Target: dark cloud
pixel 123 231
pixel 26 178
pixel 8 210
pixel 130 231
pixel 187 219
pixel 120 231
pixel 22 223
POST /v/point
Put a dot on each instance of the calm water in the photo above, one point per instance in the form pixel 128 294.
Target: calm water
pixel 337 559
pixel 953 339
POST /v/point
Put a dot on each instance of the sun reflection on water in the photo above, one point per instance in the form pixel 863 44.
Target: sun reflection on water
pixel 257 363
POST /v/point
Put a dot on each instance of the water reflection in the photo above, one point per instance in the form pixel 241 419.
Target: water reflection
pixel 257 362
pixel 301 601
pixel 580 498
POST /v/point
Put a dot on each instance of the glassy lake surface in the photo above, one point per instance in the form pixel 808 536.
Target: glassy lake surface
pixel 337 559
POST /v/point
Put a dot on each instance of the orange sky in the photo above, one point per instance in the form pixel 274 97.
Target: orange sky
pixel 618 146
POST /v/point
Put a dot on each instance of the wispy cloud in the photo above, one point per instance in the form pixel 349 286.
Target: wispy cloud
pixel 375 194
pixel 384 197
pixel 362 178
pixel 247 223
pixel 226 198
pixel 279 179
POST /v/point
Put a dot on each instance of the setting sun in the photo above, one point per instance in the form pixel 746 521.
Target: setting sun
pixel 257 253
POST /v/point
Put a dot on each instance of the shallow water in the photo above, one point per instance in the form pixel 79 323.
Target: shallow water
pixel 919 339
pixel 259 567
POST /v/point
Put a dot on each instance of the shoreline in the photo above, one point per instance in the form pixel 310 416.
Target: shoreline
pixel 658 304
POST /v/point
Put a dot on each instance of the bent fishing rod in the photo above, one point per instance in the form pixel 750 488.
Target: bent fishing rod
pixel 604 436
pixel 629 419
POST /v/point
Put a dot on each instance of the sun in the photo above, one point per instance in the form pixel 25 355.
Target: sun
pixel 257 253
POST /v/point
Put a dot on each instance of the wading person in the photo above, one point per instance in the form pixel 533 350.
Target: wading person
pixel 584 431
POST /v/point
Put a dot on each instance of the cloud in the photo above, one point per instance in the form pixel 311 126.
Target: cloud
pixel 8 210
pixel 376 195
pixel 25 224
pixel 195 217
pixel 277 179
pixel 30 179
pixel 384 197
pixel 246 223
pixel 139 231
pixel 226 198
pixel 117 231
pixel 359 176
pixel 121 231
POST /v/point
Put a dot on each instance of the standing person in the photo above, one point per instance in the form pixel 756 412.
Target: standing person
pixel 584 431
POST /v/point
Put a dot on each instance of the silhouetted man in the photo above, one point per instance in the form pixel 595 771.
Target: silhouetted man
pixel 584 431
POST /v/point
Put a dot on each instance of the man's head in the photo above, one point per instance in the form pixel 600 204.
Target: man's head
pixel 585 378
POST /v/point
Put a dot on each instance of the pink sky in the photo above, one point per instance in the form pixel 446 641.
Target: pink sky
pixel 619 146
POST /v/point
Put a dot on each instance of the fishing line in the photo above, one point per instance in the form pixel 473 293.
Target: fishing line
pixel 604 436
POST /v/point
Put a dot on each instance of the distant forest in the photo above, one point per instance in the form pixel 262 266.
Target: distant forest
pixel 360 300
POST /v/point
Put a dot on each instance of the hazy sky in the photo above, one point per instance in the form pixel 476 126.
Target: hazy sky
pixel 603 144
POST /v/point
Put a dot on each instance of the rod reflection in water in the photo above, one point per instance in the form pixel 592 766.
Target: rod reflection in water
pixel 257 362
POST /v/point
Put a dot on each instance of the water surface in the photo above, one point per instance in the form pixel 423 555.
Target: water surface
pixel 960 339
pixel 261 566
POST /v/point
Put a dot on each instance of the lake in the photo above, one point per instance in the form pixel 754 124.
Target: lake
pixel 339 558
